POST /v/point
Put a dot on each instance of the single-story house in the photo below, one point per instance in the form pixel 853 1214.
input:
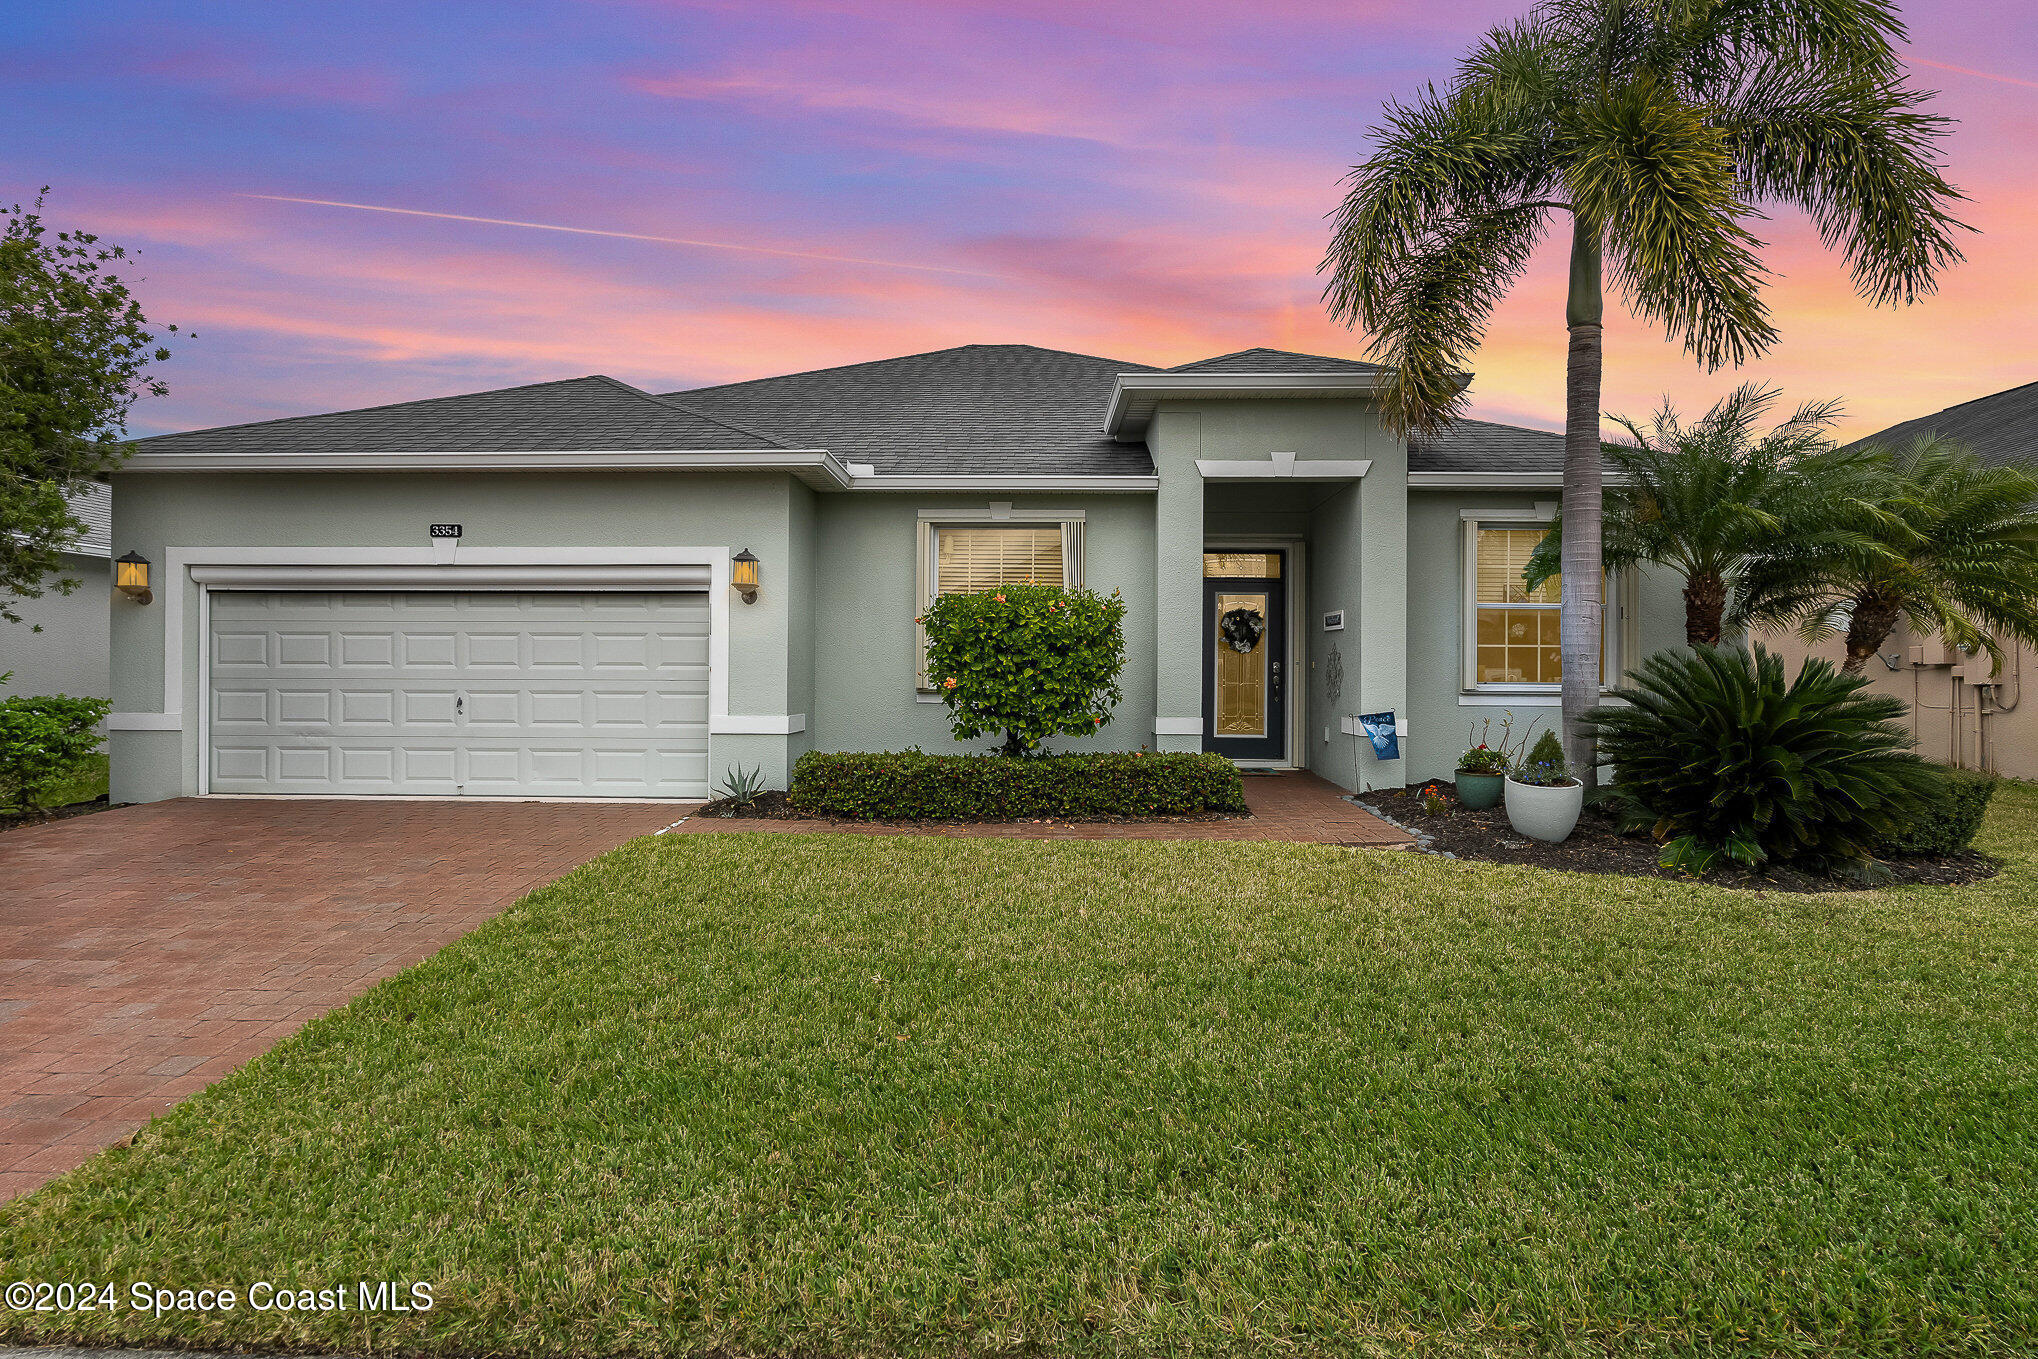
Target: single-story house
pixel 542 591
pixel 59 646
pixel 1964 711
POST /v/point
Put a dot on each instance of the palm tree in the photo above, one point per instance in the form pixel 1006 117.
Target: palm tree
pixel 1950 546
pixel 1657 127
pixel 1713 500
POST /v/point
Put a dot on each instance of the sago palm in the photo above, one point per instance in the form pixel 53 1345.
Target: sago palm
pixel 1950 546
pixel 1714 499
pixel 1658 129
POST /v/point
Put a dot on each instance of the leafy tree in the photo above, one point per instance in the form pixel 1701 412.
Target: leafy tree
pixel 1714 498
pixel 1031 661
pixel 1658 128
pixel 1949 545
pixel 75 351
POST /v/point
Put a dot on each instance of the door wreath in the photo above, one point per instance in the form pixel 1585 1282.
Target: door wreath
pixel 1242 629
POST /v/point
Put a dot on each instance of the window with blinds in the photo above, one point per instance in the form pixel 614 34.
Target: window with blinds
pixel 1515 629
pixel 969 559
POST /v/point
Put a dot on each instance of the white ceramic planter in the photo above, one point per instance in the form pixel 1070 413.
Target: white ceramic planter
pixel 1544 813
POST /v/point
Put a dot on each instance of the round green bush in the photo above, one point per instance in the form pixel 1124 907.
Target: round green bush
pixel 1027 661
pixel 1948 821
pixel 1718 756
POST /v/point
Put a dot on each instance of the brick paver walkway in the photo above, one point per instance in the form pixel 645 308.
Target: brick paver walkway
pixel 145 952
pixel 1293 806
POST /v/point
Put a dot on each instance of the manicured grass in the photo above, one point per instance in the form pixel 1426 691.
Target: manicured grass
pixel 847 1095
pixel 87 785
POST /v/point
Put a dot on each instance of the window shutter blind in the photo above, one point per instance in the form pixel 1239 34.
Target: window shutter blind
pixel 973 559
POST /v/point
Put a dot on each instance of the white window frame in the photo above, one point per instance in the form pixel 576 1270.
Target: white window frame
pixel 997 515
pixel 1613 655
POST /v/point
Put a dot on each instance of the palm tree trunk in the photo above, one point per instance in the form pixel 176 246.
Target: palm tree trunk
pixel 1873 620
pixel 1705 603
pixel 1579 623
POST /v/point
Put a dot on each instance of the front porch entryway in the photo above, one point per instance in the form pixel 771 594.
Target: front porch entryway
pixel 1246 669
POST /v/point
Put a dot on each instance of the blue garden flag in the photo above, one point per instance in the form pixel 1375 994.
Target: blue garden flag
pixel 1380 728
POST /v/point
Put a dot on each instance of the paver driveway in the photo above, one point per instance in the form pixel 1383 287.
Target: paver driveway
pixel 145 952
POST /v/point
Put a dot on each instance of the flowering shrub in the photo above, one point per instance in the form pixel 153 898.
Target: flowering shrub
pixel 1027 661
pixel 1482 759
pixel 1545 766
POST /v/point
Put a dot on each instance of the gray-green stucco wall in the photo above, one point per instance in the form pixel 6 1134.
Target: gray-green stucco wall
pixel 69 653
pixel 1439 710
pixel 865 598
pixel 154 512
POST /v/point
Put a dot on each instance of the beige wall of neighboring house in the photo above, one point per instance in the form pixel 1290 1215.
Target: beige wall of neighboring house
pixel 1962 714
pixel 60 644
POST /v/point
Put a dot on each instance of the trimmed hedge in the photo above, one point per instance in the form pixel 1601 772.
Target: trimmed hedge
pixel 1950 819
pixel 911 785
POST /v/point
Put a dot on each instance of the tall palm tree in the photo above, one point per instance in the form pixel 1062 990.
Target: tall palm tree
pixel 1714 499
pixel 1657 128
pixel 1950 547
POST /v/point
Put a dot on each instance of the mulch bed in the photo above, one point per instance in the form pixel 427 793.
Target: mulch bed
pixel 776 806
pixel 1597 847
pixel 10 820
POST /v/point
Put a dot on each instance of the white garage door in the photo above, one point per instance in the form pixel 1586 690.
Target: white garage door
pixel 495 694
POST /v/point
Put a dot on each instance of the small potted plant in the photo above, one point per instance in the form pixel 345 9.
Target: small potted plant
pixel 1543 800
pixel 1482 771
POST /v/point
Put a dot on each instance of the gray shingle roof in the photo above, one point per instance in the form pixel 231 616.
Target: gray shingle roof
pixel 1481 446
pixel 985 409
pixel 1009 409
pixel 2000 428
pixel 1275 361
pixel 588 413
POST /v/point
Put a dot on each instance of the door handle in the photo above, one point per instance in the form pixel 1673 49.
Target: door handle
pixel 459 703
pixel 1274 684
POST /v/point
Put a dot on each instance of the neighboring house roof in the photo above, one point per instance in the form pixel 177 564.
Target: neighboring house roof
pixel 983 409
pixel 1481 446
pixel 94 505
pixel 1998 429
pixel 577 414
pixel 1275 361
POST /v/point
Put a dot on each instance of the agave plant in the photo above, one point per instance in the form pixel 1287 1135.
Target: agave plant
pixel 1717 755
pixel 741 786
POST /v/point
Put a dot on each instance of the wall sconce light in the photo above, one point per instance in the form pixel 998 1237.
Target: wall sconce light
pixel 744 576
pixel 131 578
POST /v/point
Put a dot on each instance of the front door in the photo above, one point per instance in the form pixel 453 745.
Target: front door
pixel 1245 655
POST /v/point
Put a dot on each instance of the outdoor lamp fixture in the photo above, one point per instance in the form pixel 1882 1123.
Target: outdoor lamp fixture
pixel 744 576
pixel 131 578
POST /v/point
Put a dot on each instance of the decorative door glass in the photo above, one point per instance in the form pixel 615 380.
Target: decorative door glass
pixel 1241 647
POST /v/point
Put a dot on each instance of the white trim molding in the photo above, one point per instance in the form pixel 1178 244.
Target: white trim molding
pixel 816 466
pixel 144 722
pixel 1178 726
pixel 1284 465
pixel 1497 481
pixel 759 724
pixel 1134 396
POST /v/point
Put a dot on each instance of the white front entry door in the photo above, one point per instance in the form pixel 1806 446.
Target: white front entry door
pixel 474 694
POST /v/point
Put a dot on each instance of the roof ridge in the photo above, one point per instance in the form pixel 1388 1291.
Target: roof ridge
pixel 684 409
pixel 1973 400
pixel 899 358
pixel 363 410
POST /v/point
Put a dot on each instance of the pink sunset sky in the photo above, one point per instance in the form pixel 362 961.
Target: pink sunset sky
pixel 678 194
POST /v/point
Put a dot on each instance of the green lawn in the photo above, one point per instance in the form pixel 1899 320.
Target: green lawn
pixel 87 785
pixel 843 1095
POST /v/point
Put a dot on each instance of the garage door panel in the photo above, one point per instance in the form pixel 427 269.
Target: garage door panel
pixel 552 694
